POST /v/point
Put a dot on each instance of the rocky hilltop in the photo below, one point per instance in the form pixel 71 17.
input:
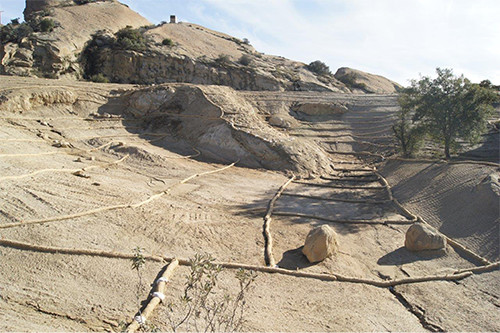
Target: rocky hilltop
pixel 54 52
pixel 164 53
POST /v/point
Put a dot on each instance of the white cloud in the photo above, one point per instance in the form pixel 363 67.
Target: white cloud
pixel 398 39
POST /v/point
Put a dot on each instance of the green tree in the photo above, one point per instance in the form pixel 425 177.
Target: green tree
pixel 407 134
pixel 448 108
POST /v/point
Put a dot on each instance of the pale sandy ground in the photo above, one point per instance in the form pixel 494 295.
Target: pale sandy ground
pixel 221 214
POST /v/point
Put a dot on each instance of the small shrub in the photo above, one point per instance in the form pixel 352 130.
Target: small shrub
pixel 83 2
pixel 245 60
pixel 350 81
pixel 99 78
pixel 319 67
pixel 167 42
pixel 246 41
pixel 47 25
pixel 203 307
pixel 129 38
pixel 223 59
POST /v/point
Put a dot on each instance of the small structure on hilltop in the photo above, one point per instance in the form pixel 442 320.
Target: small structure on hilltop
pixel 173 19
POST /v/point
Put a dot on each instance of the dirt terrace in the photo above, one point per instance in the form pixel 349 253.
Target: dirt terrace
pixel 118 185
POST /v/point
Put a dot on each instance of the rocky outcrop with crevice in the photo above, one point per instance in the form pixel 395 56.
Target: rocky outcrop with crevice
pixel 225 127
pixel 186 52
pixel 56 53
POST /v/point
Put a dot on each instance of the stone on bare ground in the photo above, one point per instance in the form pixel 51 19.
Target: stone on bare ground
pixel 321 243
pixel 420 237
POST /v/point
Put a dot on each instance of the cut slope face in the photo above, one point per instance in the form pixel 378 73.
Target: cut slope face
pixel 225 127
pixel 460 200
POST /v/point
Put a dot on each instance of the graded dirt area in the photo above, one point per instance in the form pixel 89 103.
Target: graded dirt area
pixel 75 177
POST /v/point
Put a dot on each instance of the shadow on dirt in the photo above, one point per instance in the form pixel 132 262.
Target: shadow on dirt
pixel 403 256
pixel 294 259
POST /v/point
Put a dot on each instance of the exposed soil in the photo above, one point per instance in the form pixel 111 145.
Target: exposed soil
pixel 222 214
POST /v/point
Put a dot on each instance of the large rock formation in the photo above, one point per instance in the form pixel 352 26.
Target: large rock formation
pixel 56 53
pixel 181 52
pixel 225 127
pixel 359 81
pixel 321 243
pixel 186 52
pixel 33 6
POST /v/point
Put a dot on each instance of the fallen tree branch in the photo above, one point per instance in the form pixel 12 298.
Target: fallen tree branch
pixel 268 239
pixel 347 187
pixel 362 201
pixel 456 275
pixel 353 170
pixel 453 243
pixel 34 173
pixel 357 153
pixel 114 207
pixel 353 178
pixel 158 293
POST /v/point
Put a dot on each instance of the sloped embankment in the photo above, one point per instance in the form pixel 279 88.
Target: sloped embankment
pixel 225 127
pixel 460 200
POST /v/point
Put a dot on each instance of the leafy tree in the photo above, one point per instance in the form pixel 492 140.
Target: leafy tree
pixel 448 108
pixel 408 136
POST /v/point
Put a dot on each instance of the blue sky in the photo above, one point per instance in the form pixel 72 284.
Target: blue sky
pixel 399 39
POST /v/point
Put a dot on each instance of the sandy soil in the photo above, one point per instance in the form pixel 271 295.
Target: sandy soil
pixel 220 213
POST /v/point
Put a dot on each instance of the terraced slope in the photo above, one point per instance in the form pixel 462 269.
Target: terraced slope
pixel 73 209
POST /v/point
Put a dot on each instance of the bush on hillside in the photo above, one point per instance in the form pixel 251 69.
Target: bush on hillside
pixel 99 78
pixel 14 32
pixel 167 42
pixel 319 67
pixel 129 38
pixel 83 2
pixel 47 25
pixel 222 60
pixel 350 81
pixel 245 60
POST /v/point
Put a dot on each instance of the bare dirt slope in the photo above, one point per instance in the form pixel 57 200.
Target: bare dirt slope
pixel 127 160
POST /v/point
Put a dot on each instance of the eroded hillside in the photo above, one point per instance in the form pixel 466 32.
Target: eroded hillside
pixel 90 171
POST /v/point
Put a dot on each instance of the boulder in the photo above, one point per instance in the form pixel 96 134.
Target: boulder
pixel 321 243
pixel 420 237
pixel 279 121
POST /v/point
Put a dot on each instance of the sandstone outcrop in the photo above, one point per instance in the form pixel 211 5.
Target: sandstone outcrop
pixel 224 126
pixel 363 82
pixel 321 243
pixel 198 55
pixel 182 52
pixel 56 53
pixel 420 237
